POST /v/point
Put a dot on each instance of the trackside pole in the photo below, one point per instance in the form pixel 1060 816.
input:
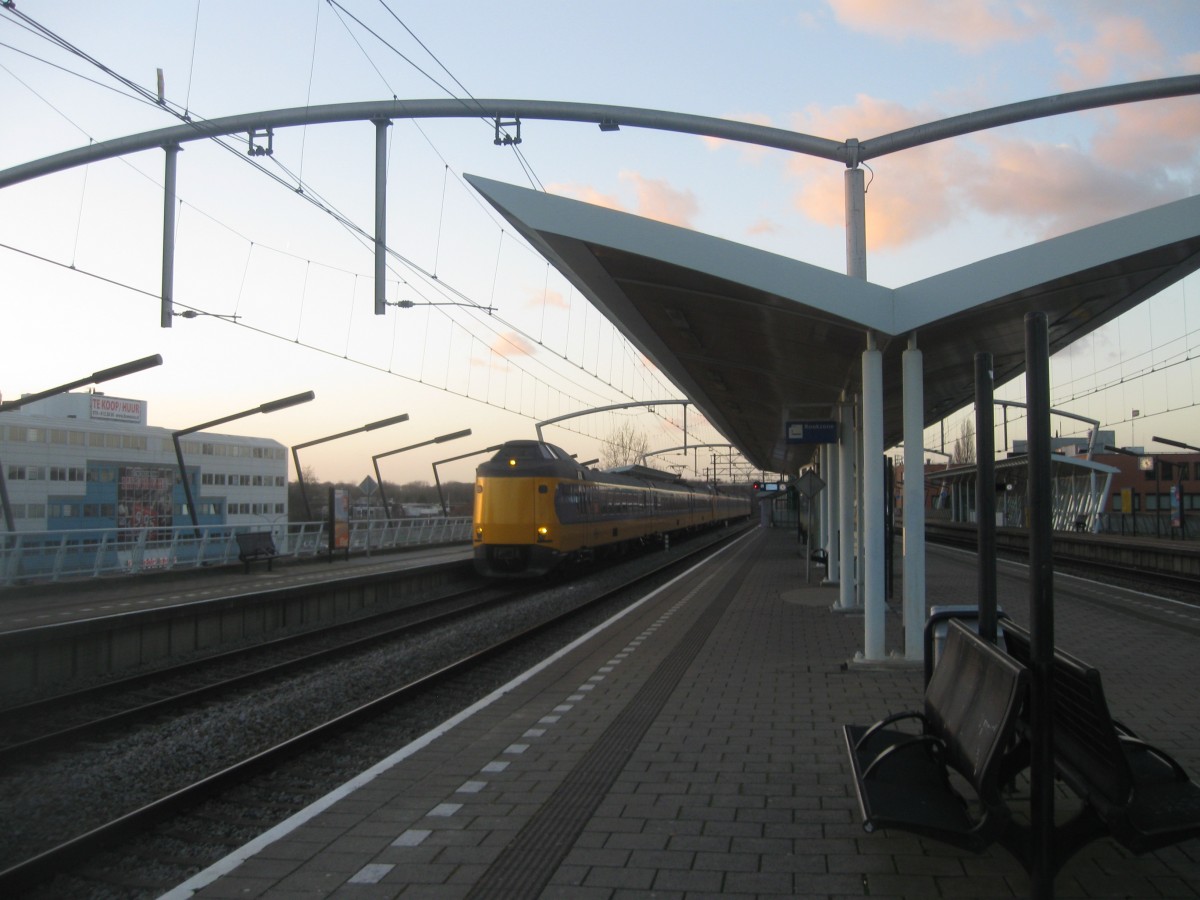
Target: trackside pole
pixel 1041 606
pixel 985 494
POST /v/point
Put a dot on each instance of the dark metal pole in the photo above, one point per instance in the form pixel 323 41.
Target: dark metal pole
pixel 187 488
pixel 382 493
pixel 985 494
pixel 1041 605
pixel 1157 496
pixel 9 525
pixel 300 481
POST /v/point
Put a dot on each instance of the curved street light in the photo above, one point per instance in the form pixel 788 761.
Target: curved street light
pixel 382 423
pixel 269 407
pixel 440 439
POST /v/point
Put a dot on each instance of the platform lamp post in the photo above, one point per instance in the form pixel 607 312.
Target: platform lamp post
pixel 382 423
pixel 137 365
pixel 1139 457
pixel 1182 446
pixel 440 439
pixel 272 406
pixel 438 481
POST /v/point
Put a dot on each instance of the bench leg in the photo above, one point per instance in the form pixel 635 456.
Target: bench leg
pixel 1069 838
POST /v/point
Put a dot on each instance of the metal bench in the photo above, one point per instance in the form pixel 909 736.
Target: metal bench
pixel 256 545
pixel 1135 792
pixel 912 781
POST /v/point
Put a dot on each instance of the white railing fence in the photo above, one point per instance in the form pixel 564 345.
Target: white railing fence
pixel 35 556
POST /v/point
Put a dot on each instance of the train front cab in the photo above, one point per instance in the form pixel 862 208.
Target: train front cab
pixel 516 529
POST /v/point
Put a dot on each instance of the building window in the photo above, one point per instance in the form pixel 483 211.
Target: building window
pixel 16 473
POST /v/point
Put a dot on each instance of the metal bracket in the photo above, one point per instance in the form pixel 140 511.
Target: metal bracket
pixel 506 139
pixel 258 149
pixel 852 149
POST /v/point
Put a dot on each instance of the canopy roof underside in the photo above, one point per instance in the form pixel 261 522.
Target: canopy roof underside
pixel 755 340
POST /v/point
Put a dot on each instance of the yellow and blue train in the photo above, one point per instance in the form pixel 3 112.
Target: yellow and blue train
pixel 536 508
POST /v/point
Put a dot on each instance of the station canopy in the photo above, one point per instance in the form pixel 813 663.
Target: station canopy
pixel 756 340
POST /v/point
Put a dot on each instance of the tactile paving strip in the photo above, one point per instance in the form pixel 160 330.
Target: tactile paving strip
pixel 530 860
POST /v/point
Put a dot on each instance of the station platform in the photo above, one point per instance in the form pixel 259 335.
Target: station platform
pixel 691 748
pixel 55 603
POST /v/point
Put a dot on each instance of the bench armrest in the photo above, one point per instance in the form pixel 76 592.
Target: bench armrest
pixel 932 745
pixel 1130 743
pixel 884 723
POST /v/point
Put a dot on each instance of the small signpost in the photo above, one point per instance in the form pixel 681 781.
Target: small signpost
pixel 809 484
pixel 810 431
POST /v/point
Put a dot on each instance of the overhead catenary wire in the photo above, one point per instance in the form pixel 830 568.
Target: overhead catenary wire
pixel 297 184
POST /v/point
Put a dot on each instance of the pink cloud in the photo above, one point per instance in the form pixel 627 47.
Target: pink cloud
pixel 654 198
pixel 1139 156
pixel 1059 188
pixel 909 194
pixel 510 343
pixel 763 226
pixel 1118 44
pixel 586 194
pixel 547 297
pixel 967 24
pixel 1163 131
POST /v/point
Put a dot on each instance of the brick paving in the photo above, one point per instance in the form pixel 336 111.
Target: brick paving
pixel 738 785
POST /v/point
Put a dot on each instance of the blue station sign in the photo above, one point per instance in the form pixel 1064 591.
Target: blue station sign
pixel 819 431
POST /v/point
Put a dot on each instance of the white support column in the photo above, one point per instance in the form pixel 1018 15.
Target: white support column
pixel 847 585
pixel 167 297
pixel 860 560
pixel 381 127
pixel 874 594
pixel 914 501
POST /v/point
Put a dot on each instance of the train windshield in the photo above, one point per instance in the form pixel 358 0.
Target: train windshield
pixel 529 450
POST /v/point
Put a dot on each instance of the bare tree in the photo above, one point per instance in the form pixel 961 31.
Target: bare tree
pixel 964 446
pixel 624 446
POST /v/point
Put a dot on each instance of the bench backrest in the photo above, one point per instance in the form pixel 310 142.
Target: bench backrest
pixel 1085 739
pixel 972 700
pixel 250 541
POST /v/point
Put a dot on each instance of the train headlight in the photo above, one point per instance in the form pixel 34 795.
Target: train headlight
pixel 543 533
pixel 512 463
pixel 479 533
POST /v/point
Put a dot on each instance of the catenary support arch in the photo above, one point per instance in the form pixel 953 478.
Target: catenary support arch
pixel 850 152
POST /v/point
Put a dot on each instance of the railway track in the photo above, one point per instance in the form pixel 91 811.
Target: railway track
pixel 285 763
pixel 50 724
pixel 1180 587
